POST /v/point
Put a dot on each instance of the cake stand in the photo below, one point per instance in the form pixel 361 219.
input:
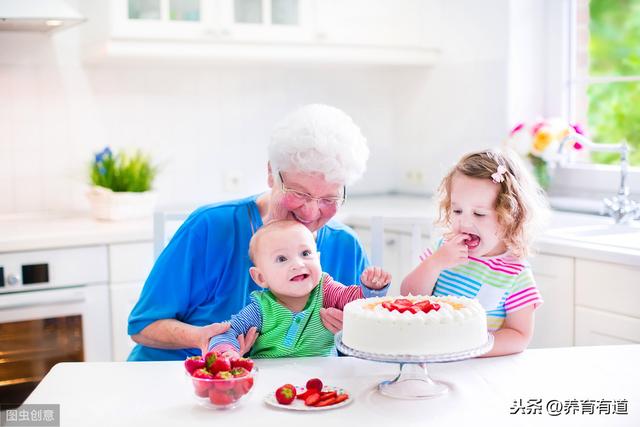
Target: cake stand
pixel 413 380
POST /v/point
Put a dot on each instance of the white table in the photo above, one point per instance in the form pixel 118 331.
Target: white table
pixel 483 391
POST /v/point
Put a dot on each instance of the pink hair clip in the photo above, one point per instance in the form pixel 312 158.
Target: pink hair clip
pixel 498 177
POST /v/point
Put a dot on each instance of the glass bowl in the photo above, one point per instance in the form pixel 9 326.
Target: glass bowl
pixel 223 393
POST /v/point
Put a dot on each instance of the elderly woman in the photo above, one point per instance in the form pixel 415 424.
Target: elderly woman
pixel 202 276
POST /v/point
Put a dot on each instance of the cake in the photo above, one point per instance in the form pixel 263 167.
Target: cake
pixel 414 325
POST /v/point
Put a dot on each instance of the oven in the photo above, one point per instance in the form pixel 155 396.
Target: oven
pixel 54 307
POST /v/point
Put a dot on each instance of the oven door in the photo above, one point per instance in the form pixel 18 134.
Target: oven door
pixel 43 327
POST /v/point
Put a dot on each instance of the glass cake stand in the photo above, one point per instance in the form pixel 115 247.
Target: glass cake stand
pixel 413 380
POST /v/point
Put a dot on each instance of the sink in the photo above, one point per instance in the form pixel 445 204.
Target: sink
pixel 622 235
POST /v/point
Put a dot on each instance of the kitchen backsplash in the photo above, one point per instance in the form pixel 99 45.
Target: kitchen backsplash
pixel 208 125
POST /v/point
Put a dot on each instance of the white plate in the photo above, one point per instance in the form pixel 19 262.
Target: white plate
pixel 298 404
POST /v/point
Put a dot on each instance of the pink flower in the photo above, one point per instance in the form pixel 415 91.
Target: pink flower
pixel 578 130
pixel 576 144
pixel 518 127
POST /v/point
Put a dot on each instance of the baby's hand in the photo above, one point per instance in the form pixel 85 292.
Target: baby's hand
pixel 375 278
pixel 231 354
pixel 453 252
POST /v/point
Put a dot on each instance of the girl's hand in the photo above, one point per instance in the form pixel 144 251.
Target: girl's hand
pixel 375 278
pixel 453 252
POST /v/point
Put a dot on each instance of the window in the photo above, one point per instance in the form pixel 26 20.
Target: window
pixel 606 76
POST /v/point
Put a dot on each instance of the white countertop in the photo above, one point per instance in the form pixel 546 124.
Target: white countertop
pixel 483 391
pixel 42 231
pixel 33 232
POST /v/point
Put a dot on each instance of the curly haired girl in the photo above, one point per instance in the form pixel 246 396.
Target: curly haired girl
pixel 490 206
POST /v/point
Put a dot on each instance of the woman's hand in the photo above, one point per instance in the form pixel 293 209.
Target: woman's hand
pixel 331 318
pixel 375 278
pixel 453 252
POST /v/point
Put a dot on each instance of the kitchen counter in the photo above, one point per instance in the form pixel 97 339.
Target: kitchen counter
pixel 42 231
pixel 483 392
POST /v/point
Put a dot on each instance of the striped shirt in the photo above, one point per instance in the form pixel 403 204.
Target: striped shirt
pixel 502 284
pixel 301 329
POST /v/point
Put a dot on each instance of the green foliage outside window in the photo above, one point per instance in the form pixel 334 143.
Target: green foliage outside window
pixel 614 50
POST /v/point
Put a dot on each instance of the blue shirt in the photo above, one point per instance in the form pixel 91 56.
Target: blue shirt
pixel 202 276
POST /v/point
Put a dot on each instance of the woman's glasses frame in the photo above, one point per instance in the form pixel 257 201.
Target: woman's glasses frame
pixel 323 202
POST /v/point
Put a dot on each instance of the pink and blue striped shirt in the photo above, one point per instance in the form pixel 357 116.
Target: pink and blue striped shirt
pixel 502 284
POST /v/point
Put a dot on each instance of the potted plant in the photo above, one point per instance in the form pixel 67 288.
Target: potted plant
pixel 122 185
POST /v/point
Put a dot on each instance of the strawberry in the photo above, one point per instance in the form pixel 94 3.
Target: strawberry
pixel 326 402
pixel 211 357
pixel 388 305
pixel 312 399
pixel 226 382
pixel 306 394
pixel 404 302
pixel 243 386
pixel 341 398
pixel 201 387
pixel 192 363
pixel 401 308
pixel 221 364
pixel 221 398
pixel 314 384
pixel 239 372
pixel 286 394
pixel 242 362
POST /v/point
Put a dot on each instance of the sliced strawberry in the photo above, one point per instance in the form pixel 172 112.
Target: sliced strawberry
pixel 314 384
pixel 327 395
pixel 312 399
pixel 403 301
pixel 306 394
pixel 388 305
pixel 341 398
pixel 326 402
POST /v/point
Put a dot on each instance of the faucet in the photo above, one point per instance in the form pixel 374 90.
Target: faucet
pixel 620 207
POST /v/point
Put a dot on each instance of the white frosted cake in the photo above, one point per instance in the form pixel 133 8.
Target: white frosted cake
pixel 414 325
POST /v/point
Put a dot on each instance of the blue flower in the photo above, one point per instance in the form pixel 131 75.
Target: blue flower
pixel 106 152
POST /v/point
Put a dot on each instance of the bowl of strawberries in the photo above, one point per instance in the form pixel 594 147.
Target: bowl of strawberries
pixel 218 381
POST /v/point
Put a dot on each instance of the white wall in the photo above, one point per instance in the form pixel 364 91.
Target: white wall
pixel 204 121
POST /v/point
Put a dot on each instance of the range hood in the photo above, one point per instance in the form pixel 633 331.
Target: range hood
pixel 37 15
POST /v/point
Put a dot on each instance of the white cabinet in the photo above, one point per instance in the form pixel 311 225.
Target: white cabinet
pixel 386 32
pixel 607 303
pixel 129 266
pixel 554 277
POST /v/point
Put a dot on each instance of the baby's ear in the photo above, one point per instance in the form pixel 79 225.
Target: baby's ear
pixel 258 277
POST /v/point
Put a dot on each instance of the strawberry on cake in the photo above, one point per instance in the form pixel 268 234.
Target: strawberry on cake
pixel 414 325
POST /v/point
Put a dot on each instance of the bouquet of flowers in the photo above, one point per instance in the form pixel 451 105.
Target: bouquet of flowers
pixel 539 142
pixel 122 171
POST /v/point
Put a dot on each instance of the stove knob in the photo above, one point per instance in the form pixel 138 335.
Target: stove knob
pixel 13 279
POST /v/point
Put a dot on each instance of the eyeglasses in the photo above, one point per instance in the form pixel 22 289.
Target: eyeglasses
pixel 302 197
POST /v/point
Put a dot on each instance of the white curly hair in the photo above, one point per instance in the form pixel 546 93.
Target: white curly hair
pixel 319 138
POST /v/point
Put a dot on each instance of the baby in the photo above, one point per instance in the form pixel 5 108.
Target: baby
pixel 287 313
pixel 488 204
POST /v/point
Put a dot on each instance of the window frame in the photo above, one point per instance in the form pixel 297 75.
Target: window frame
pixel 578 179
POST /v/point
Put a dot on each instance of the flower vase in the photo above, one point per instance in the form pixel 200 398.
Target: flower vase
pixel 112 206
pixel 540 170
